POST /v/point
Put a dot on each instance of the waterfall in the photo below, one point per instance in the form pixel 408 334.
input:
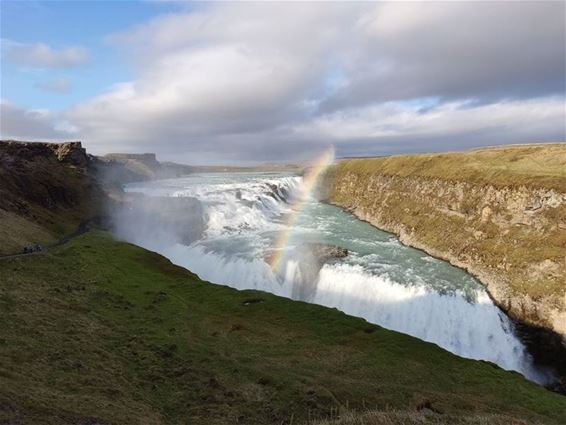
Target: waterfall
pixel 381 280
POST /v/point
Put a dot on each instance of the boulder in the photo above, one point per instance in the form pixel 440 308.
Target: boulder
pixel 324 252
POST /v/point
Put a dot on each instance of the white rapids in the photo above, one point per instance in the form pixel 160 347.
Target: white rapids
pixel 381 280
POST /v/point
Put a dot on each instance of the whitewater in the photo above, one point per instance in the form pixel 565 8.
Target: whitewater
pixel 240 216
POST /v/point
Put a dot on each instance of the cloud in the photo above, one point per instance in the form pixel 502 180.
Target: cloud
pixel 244 82
pixel 20 123
pixel 41 55
pixel 59 85
pixel 484 51
pixel 396 127
pixel 233 71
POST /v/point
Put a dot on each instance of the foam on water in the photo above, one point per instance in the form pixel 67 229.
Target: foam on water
pixel 381 280
pixel 476 330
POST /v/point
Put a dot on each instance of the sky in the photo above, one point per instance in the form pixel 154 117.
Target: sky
pixel 245 82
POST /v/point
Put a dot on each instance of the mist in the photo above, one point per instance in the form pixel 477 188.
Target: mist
pixel 225 226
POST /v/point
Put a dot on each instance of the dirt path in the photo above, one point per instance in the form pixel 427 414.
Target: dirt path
pixel 7 257
pixel 81 229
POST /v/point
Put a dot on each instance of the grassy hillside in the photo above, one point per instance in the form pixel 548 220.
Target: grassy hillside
pixel 515 165
pixel 45 191
pixel 99 331
pixel 379 417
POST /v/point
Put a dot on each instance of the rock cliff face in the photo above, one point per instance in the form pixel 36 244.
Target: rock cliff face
pixel 71 153
pixel 500 214
pixel 45 190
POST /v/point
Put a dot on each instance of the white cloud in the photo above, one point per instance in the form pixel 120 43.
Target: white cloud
pixel 534 119
pixel 231 70
pixel 264 81
pixel 25 124
pixel 41 55
pixel 481 50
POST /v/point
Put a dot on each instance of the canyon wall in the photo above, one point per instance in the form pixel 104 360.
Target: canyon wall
pixel 46 190
pixel 499 213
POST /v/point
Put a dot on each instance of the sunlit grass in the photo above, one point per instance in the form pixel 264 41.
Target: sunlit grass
pixel 103 329
pixel 531 165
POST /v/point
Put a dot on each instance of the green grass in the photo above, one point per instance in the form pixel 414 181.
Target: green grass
pixel 103 330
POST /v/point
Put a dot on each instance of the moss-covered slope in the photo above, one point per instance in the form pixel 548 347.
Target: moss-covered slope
pixel 99 331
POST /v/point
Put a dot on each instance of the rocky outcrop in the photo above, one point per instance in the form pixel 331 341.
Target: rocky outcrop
pixel 72 153
pixel 148 159
pixel 508 238
pixel 324 252
pixel 46 189
pixel 508 231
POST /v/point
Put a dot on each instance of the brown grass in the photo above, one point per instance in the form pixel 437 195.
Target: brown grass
pixel 17 232
pixel 379 417
pixel 528 165
pixel 41 197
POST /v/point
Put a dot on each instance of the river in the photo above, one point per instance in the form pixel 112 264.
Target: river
pixel 389 284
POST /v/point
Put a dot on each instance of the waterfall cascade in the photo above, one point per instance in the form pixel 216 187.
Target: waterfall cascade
pixel 380 280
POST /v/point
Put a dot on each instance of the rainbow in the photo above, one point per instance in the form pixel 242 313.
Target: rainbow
pixel 310 180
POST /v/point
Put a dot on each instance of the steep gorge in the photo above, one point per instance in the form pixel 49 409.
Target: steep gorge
pixel 499 213
pixel 101 331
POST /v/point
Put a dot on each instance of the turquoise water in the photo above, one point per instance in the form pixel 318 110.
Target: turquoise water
pixel 381 280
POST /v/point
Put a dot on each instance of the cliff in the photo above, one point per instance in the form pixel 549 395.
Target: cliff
pixel 46 190
pixel 120 168
pixel 116 169
pixel 499 213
